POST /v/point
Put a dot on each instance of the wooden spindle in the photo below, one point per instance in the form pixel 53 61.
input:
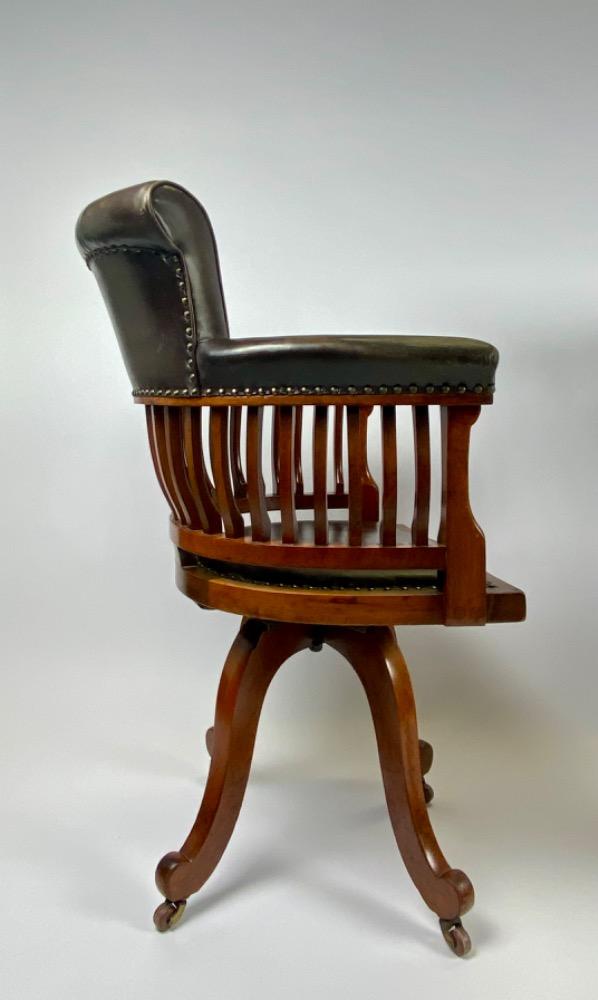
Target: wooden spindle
pixel 421 507
pixel 220 460
pixel 162 433
pixel 158 453
pixel 465 576
pixel 256 490
pixel 275 449
pixel 173 426
pixel 286 449
pixel 371 496
pixel 339 477
pixel 388 523
pixel 238 478
pixel 355 433
pixel 320 474
pixel 298 433
pixel 199 482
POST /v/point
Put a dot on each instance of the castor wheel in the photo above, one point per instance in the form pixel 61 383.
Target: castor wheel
pixel 210 740
pixel 428 792
pixel 456 937
pixel 169 914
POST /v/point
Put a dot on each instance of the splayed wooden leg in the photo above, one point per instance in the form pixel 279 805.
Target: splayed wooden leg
pixel 375 655
pixel 256 654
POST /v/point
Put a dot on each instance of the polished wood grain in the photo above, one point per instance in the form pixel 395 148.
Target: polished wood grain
pixel 177 469
pixel 381 668
pixel 158 458
pixel 465 573
pixel 356 447
pixel 421 510
pixel 286 474
pixel 219 457
pixel 199 482
pixel 255 486
pixel 300 552
pixel 388 524
pixel 320 473
pixel 256 655
pixel 238 477
pixel 369 486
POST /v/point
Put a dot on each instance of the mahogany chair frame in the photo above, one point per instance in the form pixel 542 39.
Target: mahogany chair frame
pixel 273 572
pixel 306 555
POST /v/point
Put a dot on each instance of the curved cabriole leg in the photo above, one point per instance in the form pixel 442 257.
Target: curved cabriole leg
pixel 375 655
pixel 255 656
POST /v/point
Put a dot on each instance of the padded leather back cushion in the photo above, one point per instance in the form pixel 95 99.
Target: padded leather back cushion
pixel 152 249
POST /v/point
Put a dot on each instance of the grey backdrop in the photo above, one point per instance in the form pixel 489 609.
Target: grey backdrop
pixel 421 167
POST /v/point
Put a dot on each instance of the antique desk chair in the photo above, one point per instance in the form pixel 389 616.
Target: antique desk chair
pixel 305 559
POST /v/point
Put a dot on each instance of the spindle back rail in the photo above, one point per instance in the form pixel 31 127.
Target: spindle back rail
pixel 210 457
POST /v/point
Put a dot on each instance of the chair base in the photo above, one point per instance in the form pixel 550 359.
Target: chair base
pixel 258 651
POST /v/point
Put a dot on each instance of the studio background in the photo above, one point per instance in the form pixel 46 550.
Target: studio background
pixel 422 168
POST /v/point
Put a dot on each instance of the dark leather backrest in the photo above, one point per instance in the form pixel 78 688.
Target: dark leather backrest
pixel 152 250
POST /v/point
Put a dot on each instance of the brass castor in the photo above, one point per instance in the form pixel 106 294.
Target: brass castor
pixel 210 740
pixel 169 914
pixel 456 937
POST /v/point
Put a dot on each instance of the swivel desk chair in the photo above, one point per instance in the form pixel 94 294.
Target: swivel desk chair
pixel 304 560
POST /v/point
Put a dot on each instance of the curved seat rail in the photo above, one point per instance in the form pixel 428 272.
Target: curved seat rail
pixel 232 473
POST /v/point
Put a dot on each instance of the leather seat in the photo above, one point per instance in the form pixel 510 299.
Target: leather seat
pixel 347 362
pixel 153 252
